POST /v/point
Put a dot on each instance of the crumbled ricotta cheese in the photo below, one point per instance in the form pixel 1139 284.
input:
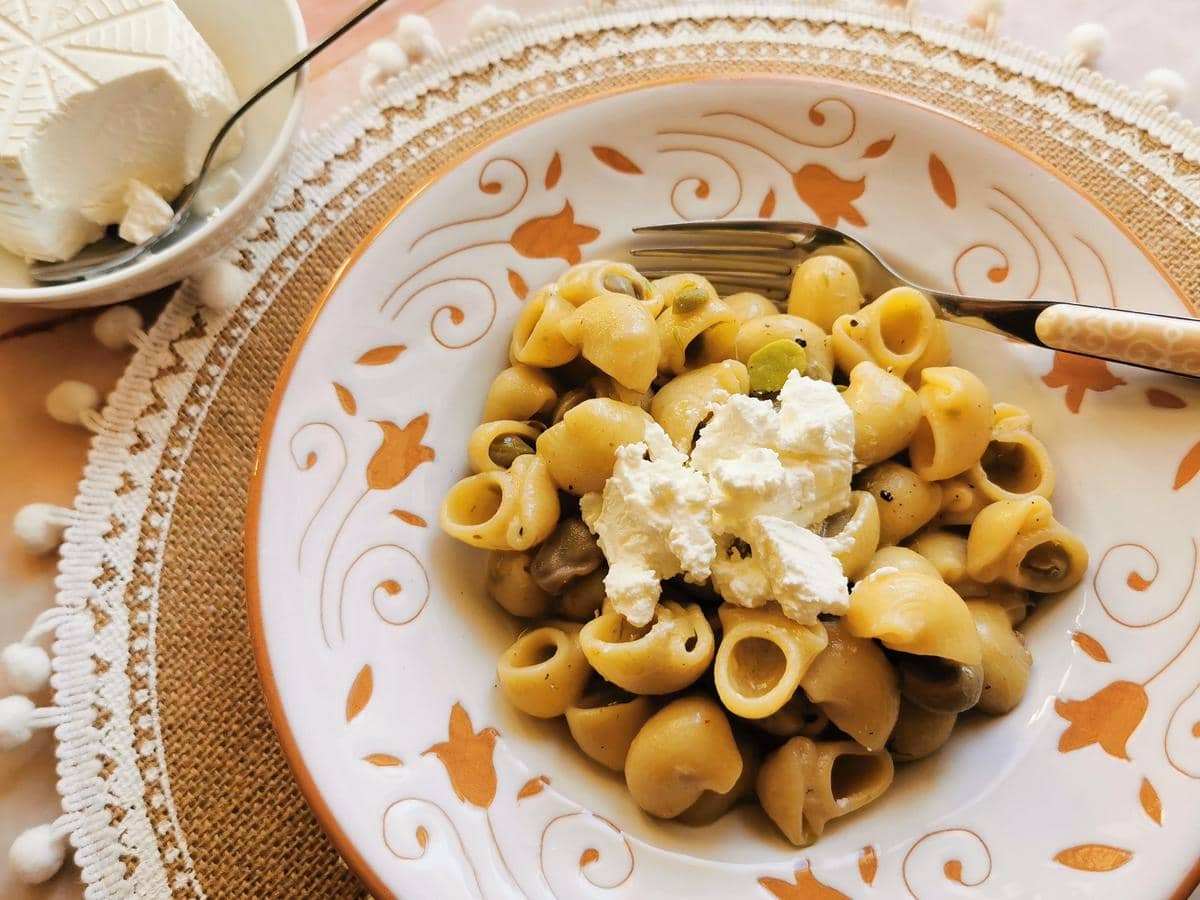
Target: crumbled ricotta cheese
pixel 652 522
pixel 94 93
pixel 146 214
pixel 760 477
pixel 794 462
pixel 805 578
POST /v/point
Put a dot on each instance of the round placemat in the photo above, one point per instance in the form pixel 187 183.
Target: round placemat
pixel 172 778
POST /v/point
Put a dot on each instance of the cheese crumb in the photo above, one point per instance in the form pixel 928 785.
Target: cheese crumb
pixel 652 523
pixel 147 214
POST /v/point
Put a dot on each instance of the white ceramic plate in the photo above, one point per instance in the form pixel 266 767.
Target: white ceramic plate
pixel 253 41
pixel 378 647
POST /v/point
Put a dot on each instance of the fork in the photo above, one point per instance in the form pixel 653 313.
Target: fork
pixel 762 256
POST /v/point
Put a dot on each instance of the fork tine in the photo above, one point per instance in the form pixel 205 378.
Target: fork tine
pixel 707 250
pixel 738 236
pixel 694 260
pixel 729 276
pixel 725 288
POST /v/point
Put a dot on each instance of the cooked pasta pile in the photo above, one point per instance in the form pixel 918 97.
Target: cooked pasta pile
pixel 701 629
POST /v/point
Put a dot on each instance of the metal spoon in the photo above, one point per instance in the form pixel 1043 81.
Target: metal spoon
pixel 101 258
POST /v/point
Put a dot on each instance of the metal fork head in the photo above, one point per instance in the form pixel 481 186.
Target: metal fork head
pixel 754 254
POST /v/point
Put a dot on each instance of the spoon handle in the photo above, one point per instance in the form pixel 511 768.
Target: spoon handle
pixel 1167 343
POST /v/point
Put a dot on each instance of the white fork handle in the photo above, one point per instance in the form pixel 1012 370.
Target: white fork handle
pixel 1167 343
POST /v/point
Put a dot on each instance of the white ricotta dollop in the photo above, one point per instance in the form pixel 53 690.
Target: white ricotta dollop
pixel 93 95
pixel 652 522
pixel 794 462
pixel 786 563
pixel 742 508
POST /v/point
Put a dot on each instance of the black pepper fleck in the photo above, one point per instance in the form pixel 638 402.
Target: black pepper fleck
pixel 802 342
pixel 885 496
pixel 854 323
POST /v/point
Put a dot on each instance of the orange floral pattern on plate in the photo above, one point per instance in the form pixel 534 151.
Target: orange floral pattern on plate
pixel 557 236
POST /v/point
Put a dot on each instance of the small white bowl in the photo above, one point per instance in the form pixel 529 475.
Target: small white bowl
pixel 253 40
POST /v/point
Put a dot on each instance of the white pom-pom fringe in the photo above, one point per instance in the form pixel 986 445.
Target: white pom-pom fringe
pixel 26 666
pixel 388 57
pixel 1086 43
pixel 490 18
pixel 221 286
pixel 68 399
pixel 37 854
pixel 1166 86
pixel 39 527
pixel 118 327
pixel 16 721
pixel 416 36
pixel 985 14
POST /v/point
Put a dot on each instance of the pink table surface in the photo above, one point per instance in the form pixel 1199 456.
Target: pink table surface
pixel 41 460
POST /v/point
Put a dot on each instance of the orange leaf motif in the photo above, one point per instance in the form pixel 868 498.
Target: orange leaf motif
pixel 533 787
pixel 422 836
pixel 953 870
pixel 1106 718
pixel 1090 646
pixel 1079 374
pixel 518 285
pixel 1093 857
pixel 310 460
pixel 803 886
pixel 380 356
pixel 943 184
pixel 410 518
pixel 615 159
pixel 346 399
pixel 1148 797
pixel 399 453
pixel 767 208
pixel 553 237
pixel 868 865
pixel 467 756
pixel 1164 399
pixel 360 692
pixel 588 856
pixel 553 172
pixel 830 197
pixel 1188 467
pixel 879 148
pixel 383 760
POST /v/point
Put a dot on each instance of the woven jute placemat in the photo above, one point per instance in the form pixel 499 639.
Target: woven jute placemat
pixel 172 777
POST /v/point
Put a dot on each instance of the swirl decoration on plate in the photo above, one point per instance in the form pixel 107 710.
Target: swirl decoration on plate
pixel 1181 742
pixel 584 845
pixel 452 316
pixel 397 599
pixel 494 184
pixel 970 866
pixel 1124 575
pixel 966 271
pixel 307 450
pixel 818 115
pixel 700 186
pixel 409 832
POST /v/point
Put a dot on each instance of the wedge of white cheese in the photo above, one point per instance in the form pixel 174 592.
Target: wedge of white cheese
pixel 95 94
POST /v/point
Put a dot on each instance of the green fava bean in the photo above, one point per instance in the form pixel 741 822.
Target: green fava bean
pixel 689 298
pixel 770 366
pixel 506 448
